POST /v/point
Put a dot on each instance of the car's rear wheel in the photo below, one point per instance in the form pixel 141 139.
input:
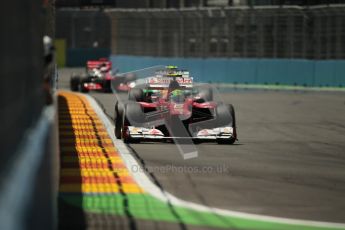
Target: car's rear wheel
pixel 129 78
pixel 205 93
pixel 74 83
pixel 136 94
pixel 107 86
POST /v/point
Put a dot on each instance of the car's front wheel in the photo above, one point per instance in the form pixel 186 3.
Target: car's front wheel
pixel 229 141
pixel 226 116
pixel 83 89
pixel 132 114
pixel 118 120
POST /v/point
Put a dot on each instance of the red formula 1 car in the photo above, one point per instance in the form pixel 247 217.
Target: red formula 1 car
pixel 169 106
pixel 99 78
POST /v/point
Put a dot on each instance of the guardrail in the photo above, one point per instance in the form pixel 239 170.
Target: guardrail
pixel 28 160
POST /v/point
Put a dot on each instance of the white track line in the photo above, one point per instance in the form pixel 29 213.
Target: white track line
pixel 145 183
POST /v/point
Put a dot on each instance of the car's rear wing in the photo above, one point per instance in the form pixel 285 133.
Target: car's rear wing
pixel 92 64
pixel 173 73
pixel 164 82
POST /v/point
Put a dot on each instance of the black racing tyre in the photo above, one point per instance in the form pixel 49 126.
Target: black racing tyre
pixel 74 83
pixel 133 115
pixel 197 141
pixel 226 116
pixel 205 94
pixel 118 120
pixel 116 81
pixel 82 87
pixel 229 141
pixel 129 78
pixel 136 94
pixel 232 112
pixel 107 86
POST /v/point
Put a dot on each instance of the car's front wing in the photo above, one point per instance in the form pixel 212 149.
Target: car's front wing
pixel 204 134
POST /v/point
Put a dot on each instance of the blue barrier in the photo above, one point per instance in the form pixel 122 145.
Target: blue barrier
pixel 247 71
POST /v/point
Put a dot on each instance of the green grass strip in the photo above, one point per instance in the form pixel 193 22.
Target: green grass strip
pixel 146 207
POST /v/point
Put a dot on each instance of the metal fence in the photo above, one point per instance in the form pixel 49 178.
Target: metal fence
pixel 327 32
pixel 83 28
pixel 316 32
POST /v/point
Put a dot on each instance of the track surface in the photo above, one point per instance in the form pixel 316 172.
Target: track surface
pixel 289 162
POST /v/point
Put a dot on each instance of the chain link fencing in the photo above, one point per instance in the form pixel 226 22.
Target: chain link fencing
pixel 316 32
pixel 238 32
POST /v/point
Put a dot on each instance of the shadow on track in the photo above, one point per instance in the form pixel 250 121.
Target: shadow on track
pixel 69 216
pixel 181 224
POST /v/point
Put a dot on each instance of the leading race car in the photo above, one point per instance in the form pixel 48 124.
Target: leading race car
pixel 168 106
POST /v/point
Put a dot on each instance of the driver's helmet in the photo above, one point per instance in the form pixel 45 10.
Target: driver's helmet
pixel 177 96
pixel 103 67
pixel 95 72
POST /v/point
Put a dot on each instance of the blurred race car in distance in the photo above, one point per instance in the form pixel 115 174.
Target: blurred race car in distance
pixel 123 82
pixel 99 77
pixel 156 109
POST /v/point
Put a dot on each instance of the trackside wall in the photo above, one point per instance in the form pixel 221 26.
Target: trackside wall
pixel 247 71
pixel 28 164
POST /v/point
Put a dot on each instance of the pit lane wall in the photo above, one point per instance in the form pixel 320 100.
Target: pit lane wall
pixel 28 164
pixel 247 71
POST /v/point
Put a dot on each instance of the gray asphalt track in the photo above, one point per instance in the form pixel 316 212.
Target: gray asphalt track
pixel 289 161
